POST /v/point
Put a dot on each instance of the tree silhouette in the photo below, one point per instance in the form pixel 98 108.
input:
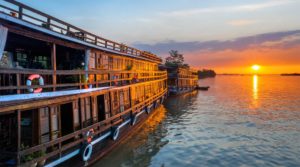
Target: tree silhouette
pixel 175 59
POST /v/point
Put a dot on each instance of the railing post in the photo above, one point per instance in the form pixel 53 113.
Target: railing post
pixel 18 83
pixel 19 136
pixel 20 12
pixel 86 65
pixel 48 23
pixel 53 59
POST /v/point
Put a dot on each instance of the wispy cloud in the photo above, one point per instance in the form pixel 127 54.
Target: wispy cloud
pixel 268 40
pixel 287 40
pixel 238 8
pixel 242 22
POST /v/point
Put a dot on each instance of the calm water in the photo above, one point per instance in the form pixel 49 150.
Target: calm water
pixel 240 121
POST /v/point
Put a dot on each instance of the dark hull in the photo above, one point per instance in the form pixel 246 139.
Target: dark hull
pixel 103 148
pixel 179 92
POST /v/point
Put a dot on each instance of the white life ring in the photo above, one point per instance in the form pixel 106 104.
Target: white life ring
pixel 115 133
pixel 86 152
pixel 29 83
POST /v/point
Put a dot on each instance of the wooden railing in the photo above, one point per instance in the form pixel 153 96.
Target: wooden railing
pixel 183 76
pixel 99 128
pixel 13 81
pixel 36 17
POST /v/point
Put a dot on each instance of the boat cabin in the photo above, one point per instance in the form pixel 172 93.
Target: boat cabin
pixel 67 93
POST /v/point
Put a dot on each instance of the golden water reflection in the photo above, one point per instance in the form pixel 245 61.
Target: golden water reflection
pixel 255 87
pixel 254 91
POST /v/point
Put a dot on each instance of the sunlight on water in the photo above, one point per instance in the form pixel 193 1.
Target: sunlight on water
pixel 255 87
pixel 255 91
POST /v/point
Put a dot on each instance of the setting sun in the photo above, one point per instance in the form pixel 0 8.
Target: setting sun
pixel 255 67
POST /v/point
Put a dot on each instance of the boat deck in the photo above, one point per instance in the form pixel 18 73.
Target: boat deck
pixel 10 99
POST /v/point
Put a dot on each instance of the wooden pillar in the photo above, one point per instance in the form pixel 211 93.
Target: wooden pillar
pixel 18 83
pixel 18 136
pixel 86 64
pixel 53 59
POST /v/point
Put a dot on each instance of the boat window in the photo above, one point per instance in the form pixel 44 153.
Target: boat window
pixel 8 132
pixel 110 63
pixel 27 52
pixel 101 107
pixel 69 58
pixel 54 122
pixel 94 109
pixel 66 116
pixel 115 102
pixel 107 105
pixel 122 101
pixel 29 128
pixel 76 115
pixel 85 107
pixel 126 99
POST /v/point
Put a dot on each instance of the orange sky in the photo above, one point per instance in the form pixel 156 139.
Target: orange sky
pixel 272 60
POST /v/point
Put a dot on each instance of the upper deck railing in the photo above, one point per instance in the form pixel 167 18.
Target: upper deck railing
pixel 14 81
pixel 36 17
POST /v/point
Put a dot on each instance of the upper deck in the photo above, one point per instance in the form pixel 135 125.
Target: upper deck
pixel 66 56
pixel 20 14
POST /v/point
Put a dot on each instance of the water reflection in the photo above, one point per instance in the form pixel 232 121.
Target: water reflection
pixel 218 128
pixel 255 87
pixel 141 146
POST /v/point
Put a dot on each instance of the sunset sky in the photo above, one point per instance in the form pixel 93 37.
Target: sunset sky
pixel 226 35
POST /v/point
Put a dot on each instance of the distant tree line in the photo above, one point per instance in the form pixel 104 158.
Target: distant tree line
pixel 206 73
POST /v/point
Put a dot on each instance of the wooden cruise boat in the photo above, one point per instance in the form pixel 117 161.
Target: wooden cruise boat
pixel 180 79
pixel 68 96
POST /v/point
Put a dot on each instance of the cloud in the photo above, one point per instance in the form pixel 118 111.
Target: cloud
pixel 269 49
pixel 276 39
pixel 242 22
pixel 238 8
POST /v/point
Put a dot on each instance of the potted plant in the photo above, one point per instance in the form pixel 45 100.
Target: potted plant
pixel 129 67
pixel 38 154
pixel 32 156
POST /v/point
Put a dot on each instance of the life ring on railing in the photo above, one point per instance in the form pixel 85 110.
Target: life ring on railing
pixel 89 135
pixel 29 83
pixel 115 133
pixel 86 152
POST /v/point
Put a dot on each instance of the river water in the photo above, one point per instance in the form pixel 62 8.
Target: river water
pixel 240 121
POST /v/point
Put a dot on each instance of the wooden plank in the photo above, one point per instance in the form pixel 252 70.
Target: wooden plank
pixel 19 136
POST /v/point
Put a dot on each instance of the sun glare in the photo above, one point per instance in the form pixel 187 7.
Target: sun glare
pixel 255 67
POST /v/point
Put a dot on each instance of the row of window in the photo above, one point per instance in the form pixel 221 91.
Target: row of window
pixel 110 62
